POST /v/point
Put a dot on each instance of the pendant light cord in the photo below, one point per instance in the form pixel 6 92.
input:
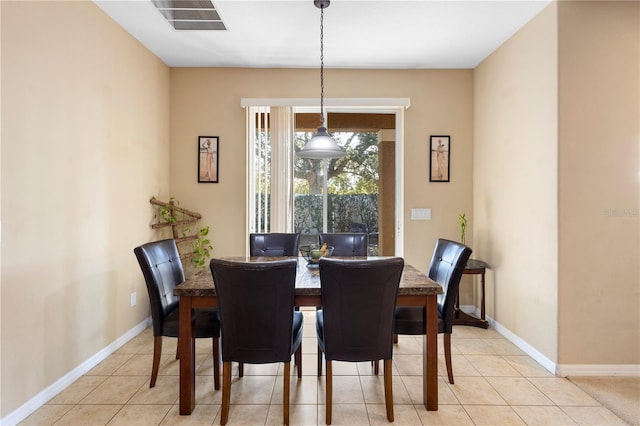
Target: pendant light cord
pixel 321 66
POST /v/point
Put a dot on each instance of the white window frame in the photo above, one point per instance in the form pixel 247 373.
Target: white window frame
pixel 351 105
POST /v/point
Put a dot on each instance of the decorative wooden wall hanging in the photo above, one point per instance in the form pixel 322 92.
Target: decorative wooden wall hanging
pixel 179 220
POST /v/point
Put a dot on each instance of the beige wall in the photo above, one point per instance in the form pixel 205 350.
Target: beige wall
pixel 207 102
pixel 556 174
pixel 599 173
pixel 0 213
pixel 85 126
pixel 515 181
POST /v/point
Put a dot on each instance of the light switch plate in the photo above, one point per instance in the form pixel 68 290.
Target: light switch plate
pixel 420 214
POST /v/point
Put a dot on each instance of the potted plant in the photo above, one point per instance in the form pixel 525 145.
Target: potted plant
pixel 462 222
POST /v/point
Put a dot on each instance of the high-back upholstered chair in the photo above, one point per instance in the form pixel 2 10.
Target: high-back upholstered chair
pixel 162 270
pixel 447 265
pixel 259 324
pixel 274 244
pixel 358 227
pixel 346 243
pixel 356 319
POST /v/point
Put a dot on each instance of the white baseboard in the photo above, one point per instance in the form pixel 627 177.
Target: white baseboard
pixel 59 385
pixel 538 356
pixel 516 340
pixel 575 370
pixel 561 370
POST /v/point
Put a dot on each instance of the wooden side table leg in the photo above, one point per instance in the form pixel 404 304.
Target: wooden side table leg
pixel 474 267
pixel 482 297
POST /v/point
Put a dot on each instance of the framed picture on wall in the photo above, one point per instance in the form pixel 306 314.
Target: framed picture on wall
pixel 440 158
pixel 208 159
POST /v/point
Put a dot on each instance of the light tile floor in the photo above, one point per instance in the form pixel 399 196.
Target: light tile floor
pixel 495 384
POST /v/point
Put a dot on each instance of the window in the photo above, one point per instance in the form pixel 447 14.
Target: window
pixel 356 193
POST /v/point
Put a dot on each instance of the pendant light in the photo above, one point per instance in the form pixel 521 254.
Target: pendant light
pixel 321 144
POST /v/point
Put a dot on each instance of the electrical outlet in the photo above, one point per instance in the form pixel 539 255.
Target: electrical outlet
pixel 133 299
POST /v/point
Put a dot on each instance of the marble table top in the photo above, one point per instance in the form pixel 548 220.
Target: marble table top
pixel 412 283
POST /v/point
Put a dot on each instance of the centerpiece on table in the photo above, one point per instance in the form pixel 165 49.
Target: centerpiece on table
pixel 313 252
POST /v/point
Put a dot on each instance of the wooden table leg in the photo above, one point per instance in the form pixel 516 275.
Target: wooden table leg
pixel 430 356
pixel 186 344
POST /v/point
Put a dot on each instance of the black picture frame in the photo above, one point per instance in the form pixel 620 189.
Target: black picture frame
pixel 439 158
pixel 208 169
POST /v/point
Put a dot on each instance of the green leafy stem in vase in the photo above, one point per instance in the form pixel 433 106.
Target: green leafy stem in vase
pixel 462 221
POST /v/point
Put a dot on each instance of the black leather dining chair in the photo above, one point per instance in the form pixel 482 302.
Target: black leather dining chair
pixel 447 265
pixel 259 323
pixel 356 320
pixel 346 243
pixel 274 244
pixel 162 269
pixel 358 227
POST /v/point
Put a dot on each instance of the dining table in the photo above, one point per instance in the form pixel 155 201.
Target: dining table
pixel 198 291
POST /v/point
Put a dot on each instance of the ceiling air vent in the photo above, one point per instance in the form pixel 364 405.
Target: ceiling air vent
pixel 190 14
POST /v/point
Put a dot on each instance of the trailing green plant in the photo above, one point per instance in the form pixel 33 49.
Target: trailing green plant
pixel 200 243
pixel 167 213
pixel 462 221
pixel 201 247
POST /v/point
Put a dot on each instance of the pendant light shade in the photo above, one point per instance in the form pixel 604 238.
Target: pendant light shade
pixel 322 144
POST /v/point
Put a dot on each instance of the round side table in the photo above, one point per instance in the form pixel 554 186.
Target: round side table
pixel 474 267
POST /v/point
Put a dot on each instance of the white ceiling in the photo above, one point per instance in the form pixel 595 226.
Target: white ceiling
pixel 357 33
